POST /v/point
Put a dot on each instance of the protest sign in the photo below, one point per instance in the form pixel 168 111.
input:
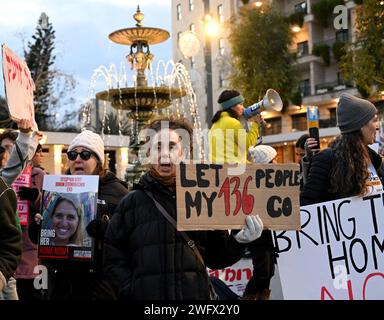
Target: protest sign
pixel 23 180
pixel 338 253
pixel 207 198
pixel 69 204
pixel 19 87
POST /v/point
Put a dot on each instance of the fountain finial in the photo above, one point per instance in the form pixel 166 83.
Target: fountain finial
pixel 138 16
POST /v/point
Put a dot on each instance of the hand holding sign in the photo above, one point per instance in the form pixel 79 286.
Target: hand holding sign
pixel 252 231
pixel 19 87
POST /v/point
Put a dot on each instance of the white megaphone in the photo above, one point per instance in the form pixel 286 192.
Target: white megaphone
pixel 271 101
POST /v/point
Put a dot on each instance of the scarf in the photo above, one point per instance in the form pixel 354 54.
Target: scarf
pixel 169 182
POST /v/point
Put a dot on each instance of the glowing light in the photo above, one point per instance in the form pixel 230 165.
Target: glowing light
pixel 258 4
pixel 285 143
pixel 124 155
pixel 295 28
pixel 211 28
pixel 263 113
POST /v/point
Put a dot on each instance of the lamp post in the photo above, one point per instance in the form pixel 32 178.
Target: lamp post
pixel 210 28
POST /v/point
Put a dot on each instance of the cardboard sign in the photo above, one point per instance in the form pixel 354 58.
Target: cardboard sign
pixel 338 254
pixel 19 87
pixel 23 180
pixel 69 204
pixel 207 198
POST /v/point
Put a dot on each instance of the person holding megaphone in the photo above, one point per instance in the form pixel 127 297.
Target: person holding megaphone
pixel 228 139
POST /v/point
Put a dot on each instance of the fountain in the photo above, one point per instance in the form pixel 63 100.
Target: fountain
pixel 143 101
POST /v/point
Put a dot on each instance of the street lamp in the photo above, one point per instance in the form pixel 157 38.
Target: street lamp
pixel 211 29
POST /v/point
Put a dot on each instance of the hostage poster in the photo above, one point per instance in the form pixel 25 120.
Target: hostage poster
pixel 69 204
pixel 339 252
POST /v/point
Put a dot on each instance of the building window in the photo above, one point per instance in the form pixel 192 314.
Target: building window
pixel 191 5
pixel 332 117
pixel 192 27
pixel 301 7
pixel 305 88
pixel 178 11
pixel 193 62
pixel 342 35
pixel 273 126
pixel 220 13
pixel 299 122
pixel 221 46
pixel 302 48
pixel 221 79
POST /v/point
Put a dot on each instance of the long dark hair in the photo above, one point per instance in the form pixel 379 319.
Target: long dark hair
pixel 349 173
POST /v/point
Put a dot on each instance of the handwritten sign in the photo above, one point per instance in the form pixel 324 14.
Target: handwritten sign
pixel 19 87
pixel 23 180
pixel 207 198
pixel 338 253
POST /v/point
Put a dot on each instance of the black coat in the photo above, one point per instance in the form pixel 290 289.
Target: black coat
pixel 145 257
pixel 316 189
pixel 10 234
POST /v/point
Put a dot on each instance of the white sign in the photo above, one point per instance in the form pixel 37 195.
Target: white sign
pixel 338 254
pixel 19 87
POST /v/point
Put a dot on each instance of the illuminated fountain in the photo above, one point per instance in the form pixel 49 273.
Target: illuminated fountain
pixel 144 101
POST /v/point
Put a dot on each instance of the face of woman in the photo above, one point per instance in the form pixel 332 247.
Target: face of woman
pixel 65 221
pixel 81 166
pixel 239 109
pixel 369 130
pixel 166 152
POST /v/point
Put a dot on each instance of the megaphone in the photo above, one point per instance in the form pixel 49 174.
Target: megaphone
pixel 271 101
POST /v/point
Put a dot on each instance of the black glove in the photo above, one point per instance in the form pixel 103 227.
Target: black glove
pixel 96 228
pixel 26 193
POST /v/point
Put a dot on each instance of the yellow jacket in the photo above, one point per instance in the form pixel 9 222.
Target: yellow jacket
pixel 229 141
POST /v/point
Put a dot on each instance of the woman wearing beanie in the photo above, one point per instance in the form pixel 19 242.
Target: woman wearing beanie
pixel 348 167
pixel 83 280
pixel 228 139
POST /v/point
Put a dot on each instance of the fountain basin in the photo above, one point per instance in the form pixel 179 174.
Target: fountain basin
pixel 141 101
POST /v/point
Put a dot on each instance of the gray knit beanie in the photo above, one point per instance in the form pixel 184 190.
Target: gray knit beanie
pixel 353 113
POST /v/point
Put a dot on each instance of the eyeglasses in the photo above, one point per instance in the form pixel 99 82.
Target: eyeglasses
pixel 85 155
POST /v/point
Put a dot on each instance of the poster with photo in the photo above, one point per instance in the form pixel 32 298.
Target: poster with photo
pixel 23 180
pixel 69 205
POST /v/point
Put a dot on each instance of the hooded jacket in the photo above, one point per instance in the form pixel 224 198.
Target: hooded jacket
pixel 145 258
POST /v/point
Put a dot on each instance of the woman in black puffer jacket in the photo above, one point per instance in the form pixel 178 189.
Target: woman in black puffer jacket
pixel 145 257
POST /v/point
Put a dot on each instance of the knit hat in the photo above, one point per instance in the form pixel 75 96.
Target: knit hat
pixel 91 141
pixel 262 153
pixel 353 113
pixel 230 98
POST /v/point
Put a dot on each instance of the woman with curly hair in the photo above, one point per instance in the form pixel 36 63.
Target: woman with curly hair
pixel 348 167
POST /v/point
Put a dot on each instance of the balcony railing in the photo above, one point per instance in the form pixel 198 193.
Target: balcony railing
pixel 326 87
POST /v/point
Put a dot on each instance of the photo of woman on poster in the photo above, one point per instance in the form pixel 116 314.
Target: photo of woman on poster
pixel 66 221
pixel 64 218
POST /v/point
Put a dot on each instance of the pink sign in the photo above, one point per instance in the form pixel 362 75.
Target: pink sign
pixel 19 87
pixel 23 180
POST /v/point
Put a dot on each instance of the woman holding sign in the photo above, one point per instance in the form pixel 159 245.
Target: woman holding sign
pixel 146 257
pixel 349 167
pixel 79 280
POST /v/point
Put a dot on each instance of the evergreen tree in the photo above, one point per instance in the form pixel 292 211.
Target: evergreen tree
pixel 363 62
pixel 5 120
pixel 260 41
pixel 40 60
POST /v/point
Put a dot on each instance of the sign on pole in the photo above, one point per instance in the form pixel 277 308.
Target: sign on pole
pixel 207 198
pixel 19 87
